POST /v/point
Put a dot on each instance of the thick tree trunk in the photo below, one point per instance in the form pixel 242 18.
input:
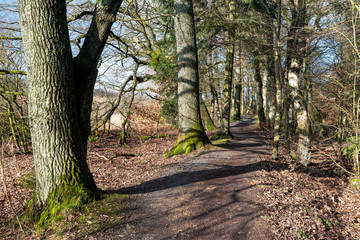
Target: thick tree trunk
pixel 295 61
pixel 191 131
pixel 59 93
pixel 303 153
pixel 59 153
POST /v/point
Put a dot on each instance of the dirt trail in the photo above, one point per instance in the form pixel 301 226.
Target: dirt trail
pixel 210 196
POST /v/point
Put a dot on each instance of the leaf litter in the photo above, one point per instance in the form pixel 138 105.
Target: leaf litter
pixel 306 203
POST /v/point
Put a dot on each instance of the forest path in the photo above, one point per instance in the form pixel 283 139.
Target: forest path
pixel 209 196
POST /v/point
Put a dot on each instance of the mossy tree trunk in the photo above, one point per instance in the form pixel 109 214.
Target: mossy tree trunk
pixel 205 115
pixel 191 131
pixel 59 95
pixel 228 81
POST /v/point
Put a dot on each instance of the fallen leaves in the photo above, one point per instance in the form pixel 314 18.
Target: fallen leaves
pixel 301 204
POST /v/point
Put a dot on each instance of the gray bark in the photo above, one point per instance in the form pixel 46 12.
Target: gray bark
pixel 190 125
pixel 295 61
pixel 237 77
pixel 228 82
pixel 59 91
pixel 259 95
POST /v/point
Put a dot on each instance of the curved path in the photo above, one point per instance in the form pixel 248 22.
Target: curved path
pixel 210 196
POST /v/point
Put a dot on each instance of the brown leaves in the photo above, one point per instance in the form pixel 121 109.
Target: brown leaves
pixel 300 205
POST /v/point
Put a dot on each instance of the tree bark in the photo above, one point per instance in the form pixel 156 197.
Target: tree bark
pixel 228 81
pixel 59 95
pixel 191 131
pixel 278 99
pixel 271 88
pixel 296 59
pixel 237 83
pixel 259 98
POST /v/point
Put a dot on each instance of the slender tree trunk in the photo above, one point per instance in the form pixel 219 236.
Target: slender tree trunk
pixel 264 91
pixel 278 99
pixel 249 92
pixel 259 98
pixel 215 98
pixel 271 88
pixel 228 82
pixel 127 117
pixel 237 83
pixel 205 116
pixel 59 95
pixel 191 131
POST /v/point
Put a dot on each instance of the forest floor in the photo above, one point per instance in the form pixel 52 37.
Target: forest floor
pixel 228 191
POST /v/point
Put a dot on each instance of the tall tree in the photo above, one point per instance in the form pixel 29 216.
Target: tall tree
pixel 295 62
pixel 259 87
pixel 60 92
pixel 191 131
pixel 229 65
pixel 278 99
pixel 238 82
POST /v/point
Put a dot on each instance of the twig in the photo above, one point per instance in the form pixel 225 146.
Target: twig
pixel 101 156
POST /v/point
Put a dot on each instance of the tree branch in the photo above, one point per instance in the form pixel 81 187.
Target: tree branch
pixel 80 15
pixel 3 71
pixel 10 38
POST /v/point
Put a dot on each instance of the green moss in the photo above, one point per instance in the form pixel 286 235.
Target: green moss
pixel 58 219
pixel 188 143
pixel 293 155
pixel 220 141
pixel 221 137
pixel 210 125
pixel 65 197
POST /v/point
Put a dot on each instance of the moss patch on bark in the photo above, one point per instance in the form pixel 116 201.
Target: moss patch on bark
pixel 67 220
pixel 66 197
pixel 188 143
pixel 221 138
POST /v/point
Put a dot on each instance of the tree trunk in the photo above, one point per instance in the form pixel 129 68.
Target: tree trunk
pixel 278 98
pixel 206 118
pixel 264 91
pixel 59 95
pixel 191 131
pixel 271 88
pixel 237 83
pixel 259 98
pixel 225 113
pixel 295 59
